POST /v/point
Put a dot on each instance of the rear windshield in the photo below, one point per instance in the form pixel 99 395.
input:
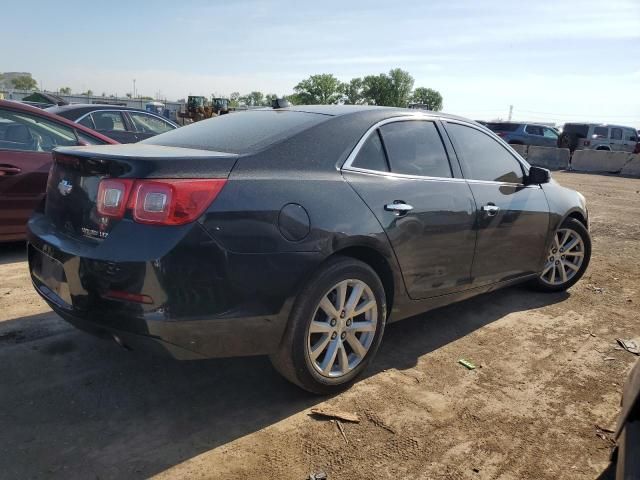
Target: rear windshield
pixel 239 132
pixel 503 127
pixel 577 129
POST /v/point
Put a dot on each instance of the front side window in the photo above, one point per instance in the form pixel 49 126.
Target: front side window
pixel 484 157
pixel 26 132
pixel 550 133
pixel 150 124
pixel 600 132
pixel 415 148
pixel 533 130
pixel 371 156
pixel 109 121
pixel 616 134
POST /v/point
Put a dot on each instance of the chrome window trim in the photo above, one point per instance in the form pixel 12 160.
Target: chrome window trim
pixel 166 120
pixel 347 165
pixel 120 111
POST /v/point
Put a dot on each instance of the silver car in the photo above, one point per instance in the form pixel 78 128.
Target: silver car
pixel 597 136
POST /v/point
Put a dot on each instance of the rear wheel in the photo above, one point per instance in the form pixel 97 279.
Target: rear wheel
pixel 335 327
pixel 567 259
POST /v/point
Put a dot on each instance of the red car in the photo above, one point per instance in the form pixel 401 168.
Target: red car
pixel 27 137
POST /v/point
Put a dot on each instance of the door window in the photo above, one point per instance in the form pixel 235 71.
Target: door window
pixel 484 157
pixel 150 124
pixel 549 133
pixel 109 121
pixel 533 130
pixel 371 156
pixel 87 122
pixel 600 132
pixel 26 132
pixel 415 148
pixel 616 134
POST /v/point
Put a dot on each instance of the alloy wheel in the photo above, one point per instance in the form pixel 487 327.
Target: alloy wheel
pixel 343 328
pixel 565 257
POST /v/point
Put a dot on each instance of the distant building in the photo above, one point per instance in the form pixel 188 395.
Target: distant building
pixel 7 77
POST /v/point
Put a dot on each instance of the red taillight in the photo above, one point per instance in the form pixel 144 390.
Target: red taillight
pixel 159 202
pixel 113 195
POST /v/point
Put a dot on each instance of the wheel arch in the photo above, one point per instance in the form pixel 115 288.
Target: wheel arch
pixel 378 262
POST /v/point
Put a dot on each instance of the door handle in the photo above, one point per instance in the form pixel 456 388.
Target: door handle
pixel 490 209
pixel 9 170
pixel 398 207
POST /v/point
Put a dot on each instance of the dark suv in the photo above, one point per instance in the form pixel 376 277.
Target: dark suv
pixel 525 133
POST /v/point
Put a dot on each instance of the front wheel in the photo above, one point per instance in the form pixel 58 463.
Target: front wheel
pixel 335 327
pixel 567 259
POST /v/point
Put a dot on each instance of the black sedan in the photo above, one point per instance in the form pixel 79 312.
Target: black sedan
pixel 120 123
pixel 296 232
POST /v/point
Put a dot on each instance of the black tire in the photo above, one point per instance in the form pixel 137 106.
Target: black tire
pixel 292 360
pixel 581 230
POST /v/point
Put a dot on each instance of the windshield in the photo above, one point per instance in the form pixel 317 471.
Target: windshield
pixel 239 132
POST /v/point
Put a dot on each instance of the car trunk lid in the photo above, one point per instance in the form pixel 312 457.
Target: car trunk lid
pixel 76 173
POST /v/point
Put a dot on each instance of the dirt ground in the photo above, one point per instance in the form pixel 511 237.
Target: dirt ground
pixel 72 406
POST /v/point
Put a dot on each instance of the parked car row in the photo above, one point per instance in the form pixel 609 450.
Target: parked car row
pixel 29 134
pixel 574 136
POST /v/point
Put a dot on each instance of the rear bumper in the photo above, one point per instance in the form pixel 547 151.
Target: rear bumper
pixel 201 301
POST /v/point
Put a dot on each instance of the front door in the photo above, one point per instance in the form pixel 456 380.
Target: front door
pixel 404 175
pixel 512 219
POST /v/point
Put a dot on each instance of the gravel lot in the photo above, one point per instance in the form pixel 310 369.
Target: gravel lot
pixel 72 406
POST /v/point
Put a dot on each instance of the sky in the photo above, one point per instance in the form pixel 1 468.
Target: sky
pixel 554 61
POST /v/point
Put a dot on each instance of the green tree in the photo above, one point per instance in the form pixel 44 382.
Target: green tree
pixel 429 97
pixel 322 89
pixel 24 83
pixel 268 98
pixel 253 99
pixel 352 91
pixel 392 89
pixel 234 99
pixel 65 90
pixel 88 93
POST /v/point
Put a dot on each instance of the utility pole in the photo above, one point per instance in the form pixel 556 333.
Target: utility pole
pixel 510 110
pixel 134 88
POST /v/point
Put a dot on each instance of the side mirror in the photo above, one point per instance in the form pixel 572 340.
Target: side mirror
pixel 538 175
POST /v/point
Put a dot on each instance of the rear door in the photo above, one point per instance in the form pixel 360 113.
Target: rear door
pixel 113 124
pixel 615 139
pixel 26 142
pixel 512 218
pixel 403 172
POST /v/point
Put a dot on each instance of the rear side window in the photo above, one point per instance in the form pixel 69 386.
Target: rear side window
pixel 601 132
pixel 109 121
pixel 484 157
pixel 576 129
pixel 239 132
pixel 371 156
pixel 415 148
pixel 87 122
pixel 616 134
